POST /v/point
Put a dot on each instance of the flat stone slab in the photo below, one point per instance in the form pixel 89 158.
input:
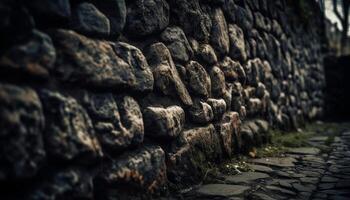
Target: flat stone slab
pixel 280 190
pixel 222 190
pixel 260 168
pixel 245 177
pixel 275 162
pixel 304 150
pixel 318 139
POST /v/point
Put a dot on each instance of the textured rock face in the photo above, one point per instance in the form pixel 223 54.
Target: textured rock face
pixel 115 11
pixel 89 20
pixel 94 63
pixel 198 79
pixel 87 86
pixel 177 44
pixel 194 147
pixel 65 184
pixel 142 172
pixel 35 56
pixel 219 33
pixel 22 122
pixel 164 122
pixel 200 25
pixel 166 76
pixel 69 132
pixel 147 16
pixel 117 120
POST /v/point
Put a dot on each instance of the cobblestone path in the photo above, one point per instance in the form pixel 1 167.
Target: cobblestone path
pixel 305 173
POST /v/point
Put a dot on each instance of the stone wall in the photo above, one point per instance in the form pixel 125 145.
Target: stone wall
pixel 107 99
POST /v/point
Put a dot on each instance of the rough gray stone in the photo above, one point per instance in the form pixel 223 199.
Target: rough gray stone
pixel 69 133
pixel 207 54
pixel 166 76
pixel 22 122
pixel 138 63
pixel 233 70
pixel 200 24
pixel 94 63
pixel 117 120
pixel 229 134
pixel 218 85
pixel 35 56
pixel 177 44
pixel 146 17
pixel 164 122
pixel 66 184
pixel 219 34
pixel 201 112
pixel 198 79
pixel 115 10
pixel 218 106
pixel 237 45
pixel 142 171
pixel 87 19
pixel 190 153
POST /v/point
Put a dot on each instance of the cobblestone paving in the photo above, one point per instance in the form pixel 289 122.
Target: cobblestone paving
pixel 305 173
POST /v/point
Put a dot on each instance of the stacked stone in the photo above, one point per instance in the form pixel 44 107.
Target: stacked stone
pixel 113 98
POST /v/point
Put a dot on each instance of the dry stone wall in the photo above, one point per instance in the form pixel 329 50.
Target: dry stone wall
pixel 111 99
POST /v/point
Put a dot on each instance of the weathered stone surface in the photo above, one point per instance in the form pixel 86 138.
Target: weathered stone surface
pixel 276 162
pixel 57 9
pixel 22 122
pixel 177 43
pixel 218 106
pixel 260 168
pixel 142 172
pixel 87 19
pixel 117 120
pixel 200 24
pixel 219 34
pixel 237 45
pixel 115 10
pixel 134 57
pixel 188 158
pixel 218 85
pixel 146 17
pixel 229 134
pixel 221 190
pixel 69 132
pixel 94 63
pixel 233 70
pixel 280 190
pixel 245 177
pixel 201 112
pixel 198 79
pixel 243 17
pixel 207 54
pixel 166 76
pixel 65 184
pixel 164 122
pixel 304 150
pixel 35 56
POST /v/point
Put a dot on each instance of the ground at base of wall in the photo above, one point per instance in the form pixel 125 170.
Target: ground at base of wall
pixel 319 168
